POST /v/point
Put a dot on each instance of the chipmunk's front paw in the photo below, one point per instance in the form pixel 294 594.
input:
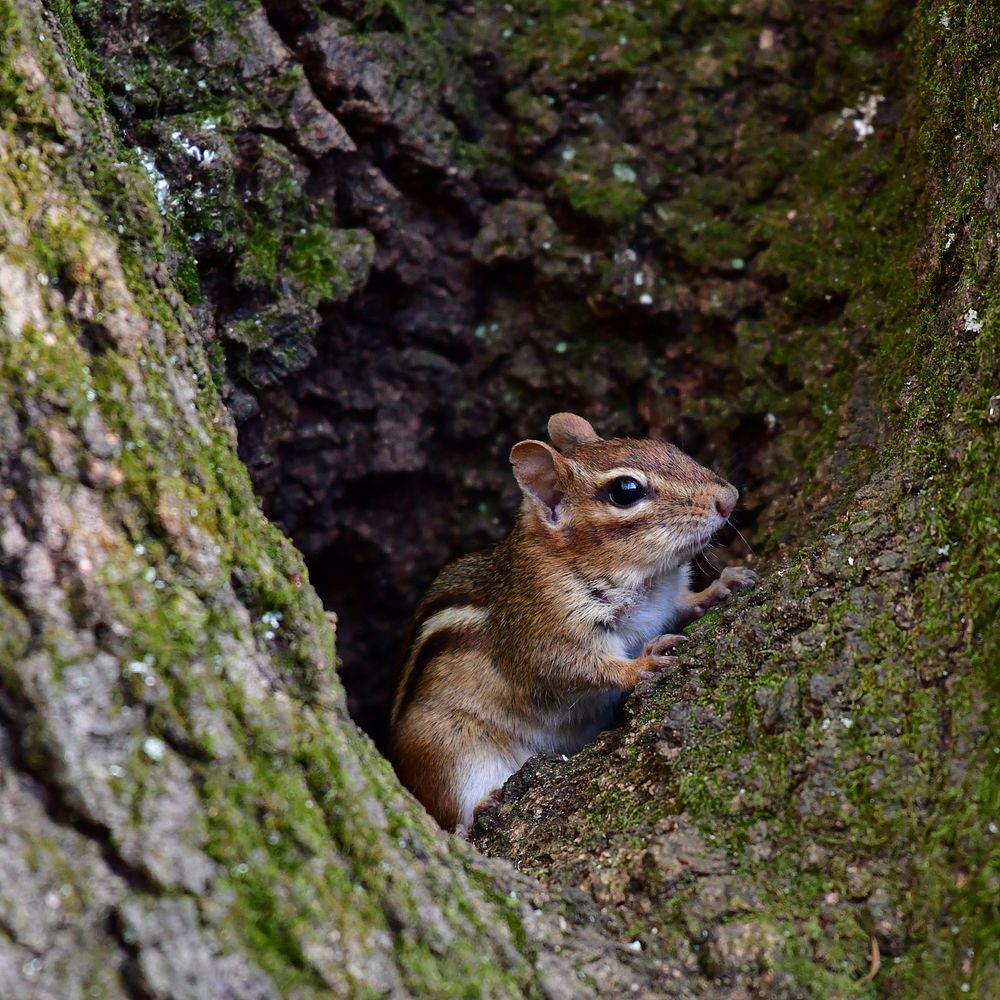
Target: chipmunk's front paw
pixel 662 644
pixel 738 577
pixel 654 665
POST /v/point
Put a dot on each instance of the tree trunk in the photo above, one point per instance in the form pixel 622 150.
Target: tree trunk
pixel 394 241
pixel 187 810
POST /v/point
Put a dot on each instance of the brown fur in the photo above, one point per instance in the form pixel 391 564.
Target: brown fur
pixel 506 642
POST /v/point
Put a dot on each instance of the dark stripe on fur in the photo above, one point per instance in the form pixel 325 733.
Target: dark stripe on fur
pixel 446 640
pixel 441 602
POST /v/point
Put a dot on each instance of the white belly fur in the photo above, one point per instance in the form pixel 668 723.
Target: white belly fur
pixel 655 612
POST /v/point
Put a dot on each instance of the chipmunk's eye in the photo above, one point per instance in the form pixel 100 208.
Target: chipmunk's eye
pixel 626 491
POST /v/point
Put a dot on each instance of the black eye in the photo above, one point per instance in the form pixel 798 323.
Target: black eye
pixel 625 491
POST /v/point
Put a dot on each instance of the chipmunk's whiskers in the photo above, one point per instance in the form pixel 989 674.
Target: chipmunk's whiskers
pixel 743 537
pixel 711 562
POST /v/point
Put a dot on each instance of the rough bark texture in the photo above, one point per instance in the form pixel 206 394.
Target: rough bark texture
pixel 398 238
pixel 186 809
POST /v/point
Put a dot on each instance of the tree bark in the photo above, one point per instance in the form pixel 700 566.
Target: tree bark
pixel 380 221
pixel 187 810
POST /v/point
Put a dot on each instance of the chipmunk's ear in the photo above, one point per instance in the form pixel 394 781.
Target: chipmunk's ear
pixel 543 475
pixel 567 430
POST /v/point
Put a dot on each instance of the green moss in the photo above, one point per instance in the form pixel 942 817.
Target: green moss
pixel 605 199
pixel 327 264
pixel 579 41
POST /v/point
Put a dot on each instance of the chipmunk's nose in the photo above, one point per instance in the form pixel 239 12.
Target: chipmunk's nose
pixel 725 505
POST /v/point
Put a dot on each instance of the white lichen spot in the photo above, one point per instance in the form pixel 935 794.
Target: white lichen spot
pixel 862 116
pixel 635 946
pixel 949 239
pixel 645 299
pixel 846 722
pixel 568 154
pixel 771 421
pixel 624 173
pixel 161 189
pixel 944 19
pixel 154 748
pixel 195 152
pixel 737 264
pixel 971 322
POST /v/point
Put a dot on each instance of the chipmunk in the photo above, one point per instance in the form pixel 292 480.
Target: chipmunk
pixel 533 645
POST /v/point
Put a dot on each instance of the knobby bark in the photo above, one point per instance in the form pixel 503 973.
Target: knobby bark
pixel 381 219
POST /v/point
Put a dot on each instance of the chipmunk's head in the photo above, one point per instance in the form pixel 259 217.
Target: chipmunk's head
pixel 627 507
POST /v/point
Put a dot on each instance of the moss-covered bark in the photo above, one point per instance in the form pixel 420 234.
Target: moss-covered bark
pixel 185 808
pixel 807 805
pixel 700 209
